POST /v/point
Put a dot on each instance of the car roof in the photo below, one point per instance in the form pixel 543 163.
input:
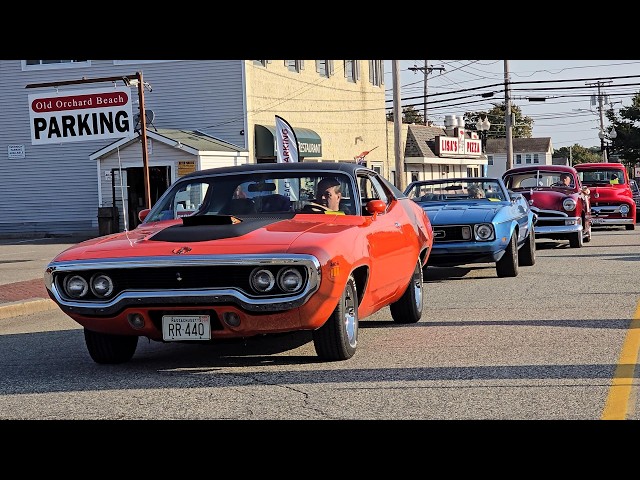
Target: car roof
pixel 548 168
pixel 349 168
pixel 599 166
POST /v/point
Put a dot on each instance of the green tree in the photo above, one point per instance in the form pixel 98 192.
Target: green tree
pixel 409 115
pixel 522 127
pixel 578 154
pixel 626 145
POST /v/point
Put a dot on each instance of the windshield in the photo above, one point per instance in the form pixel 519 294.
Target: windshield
pixel 604 176
pixel 457 190
pixel 539 179
pixel 254 193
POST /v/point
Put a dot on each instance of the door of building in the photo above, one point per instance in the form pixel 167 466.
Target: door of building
pixel 159 181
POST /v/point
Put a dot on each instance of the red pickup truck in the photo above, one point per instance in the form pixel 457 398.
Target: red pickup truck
pixel 611 197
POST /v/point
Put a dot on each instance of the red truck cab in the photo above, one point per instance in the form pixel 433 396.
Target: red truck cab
pixel 612 201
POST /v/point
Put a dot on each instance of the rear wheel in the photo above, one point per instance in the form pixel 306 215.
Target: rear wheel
pixel 106 348
pixel 408 309
pixel 527 254
pixel 338 337
pixel 507 266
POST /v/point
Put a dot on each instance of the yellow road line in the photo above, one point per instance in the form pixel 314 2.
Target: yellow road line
pixel 617 403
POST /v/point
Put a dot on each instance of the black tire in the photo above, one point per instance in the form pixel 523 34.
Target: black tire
pixel 507 266
pixel 110 349
pixel 337 339
pixel 631 226
pixel 575 241
pixel 527 254
pixel 408 309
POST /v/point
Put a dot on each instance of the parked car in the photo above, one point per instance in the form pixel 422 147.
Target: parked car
pixel 249 250
pixel 635 191
pixel 476 220
pixel 612 203
pixel 562 209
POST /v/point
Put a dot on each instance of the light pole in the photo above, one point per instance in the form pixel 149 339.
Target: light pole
pixel 607 147
pixel 483 126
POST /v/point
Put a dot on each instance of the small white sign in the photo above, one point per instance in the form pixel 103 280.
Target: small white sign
pixel 15 151
pixel 107 175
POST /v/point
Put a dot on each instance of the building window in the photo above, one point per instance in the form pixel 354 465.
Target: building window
pixel 490 159
pixel 53 64
pixel 352 70
pixel 535 158
pixel 260 63
pixel 294 65
pixel 519 159
pixel 324 67
pixel 376 72
pixel 528 158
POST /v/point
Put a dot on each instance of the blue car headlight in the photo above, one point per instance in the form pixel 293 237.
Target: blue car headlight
pixel 484 232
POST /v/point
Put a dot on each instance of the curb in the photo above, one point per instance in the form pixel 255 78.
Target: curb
pixel 26 307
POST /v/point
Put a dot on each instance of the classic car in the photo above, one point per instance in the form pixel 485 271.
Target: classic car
pixel 562 208
pixel 476 220
pixel 612 203
pixel 635 191
pixel 250 250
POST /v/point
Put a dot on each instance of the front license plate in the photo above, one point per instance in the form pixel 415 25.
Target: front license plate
pixel 596 220
pixel 186 327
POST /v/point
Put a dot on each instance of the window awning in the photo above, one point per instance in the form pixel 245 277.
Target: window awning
pixel 309 142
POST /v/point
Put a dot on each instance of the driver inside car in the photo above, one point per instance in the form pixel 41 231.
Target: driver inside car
pixel 329 193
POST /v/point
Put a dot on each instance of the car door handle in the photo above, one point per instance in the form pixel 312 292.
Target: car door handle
pixel 398 225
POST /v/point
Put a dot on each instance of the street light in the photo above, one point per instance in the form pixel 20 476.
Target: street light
pixel 483 126
pixel 607 147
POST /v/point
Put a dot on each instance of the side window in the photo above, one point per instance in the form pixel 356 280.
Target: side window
pixel 370 189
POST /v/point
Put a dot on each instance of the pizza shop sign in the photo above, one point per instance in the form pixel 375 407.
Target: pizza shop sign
pixel 459 146
pixel 81 115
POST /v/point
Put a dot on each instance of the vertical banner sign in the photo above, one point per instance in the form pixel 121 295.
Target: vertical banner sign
pixel 286 142
pixel 81 115
pixel 287 152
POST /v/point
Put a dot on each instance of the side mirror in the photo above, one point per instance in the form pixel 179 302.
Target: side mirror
pixel 376 206
pixel 142 214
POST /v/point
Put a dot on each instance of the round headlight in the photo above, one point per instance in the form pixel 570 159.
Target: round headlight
pixel 569 204
pixel 101 285
pixel 289 280
pixel 76 286
pixel 624 209
pixel 262 280
pixel 483 231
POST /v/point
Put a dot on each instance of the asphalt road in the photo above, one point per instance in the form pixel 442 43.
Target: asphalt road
pixel 555 343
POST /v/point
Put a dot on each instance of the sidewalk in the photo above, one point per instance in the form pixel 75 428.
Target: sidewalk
pixel 22 266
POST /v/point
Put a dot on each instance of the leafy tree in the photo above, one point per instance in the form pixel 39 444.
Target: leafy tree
pixel 627 142
pixel 579 154
pixel 409 115
pixel 522 127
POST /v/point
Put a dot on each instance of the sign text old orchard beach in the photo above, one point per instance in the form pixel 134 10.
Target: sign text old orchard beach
pixel 81 115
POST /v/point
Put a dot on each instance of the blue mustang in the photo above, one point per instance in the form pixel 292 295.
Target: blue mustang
pixel 477 220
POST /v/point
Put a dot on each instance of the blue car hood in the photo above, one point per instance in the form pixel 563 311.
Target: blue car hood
pixel 455 214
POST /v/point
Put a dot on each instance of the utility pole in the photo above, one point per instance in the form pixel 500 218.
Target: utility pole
pixel 507 115
pixel 397 126
pixel 426 70
pixel 603 151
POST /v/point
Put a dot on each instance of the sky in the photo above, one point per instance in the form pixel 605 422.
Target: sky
pixel 567 87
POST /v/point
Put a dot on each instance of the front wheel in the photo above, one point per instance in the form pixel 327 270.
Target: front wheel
pixel 408 309
pixel 338 337
pixel 507 266
pixel 110 349
pixel 575 241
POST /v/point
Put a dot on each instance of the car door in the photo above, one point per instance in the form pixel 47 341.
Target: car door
pixel 393 257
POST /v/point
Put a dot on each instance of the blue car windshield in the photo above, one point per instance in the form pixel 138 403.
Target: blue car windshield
pixel 457 190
